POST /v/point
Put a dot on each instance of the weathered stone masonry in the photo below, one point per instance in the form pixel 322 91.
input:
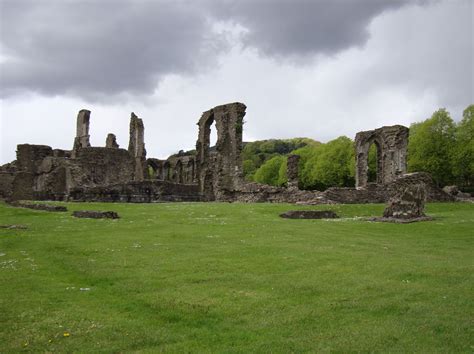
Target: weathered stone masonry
pixel 210 173
pixel 136 147
pixel 220 173
pixel 292 171
pixel 391 143
pixel 82 130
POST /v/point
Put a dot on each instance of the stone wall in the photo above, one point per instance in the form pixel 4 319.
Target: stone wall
pixel 82 130
pixel 220 174
pixel 433 192
pixel 136 147
pixel 29 157
pixel 209 173
pixel 44 173
pixel 101 166
pixel 138 192
pixel 407 197
pixel 257 193
pixel 111 141
pixel 376 193
pixel 372 194
pixel 7 175
pixel 6 184
pixel 292 171
pixel 391 143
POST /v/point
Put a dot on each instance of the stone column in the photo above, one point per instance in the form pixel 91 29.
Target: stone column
pixel 136 147
pixel 111 141
pixel 292 171
pixel 82 130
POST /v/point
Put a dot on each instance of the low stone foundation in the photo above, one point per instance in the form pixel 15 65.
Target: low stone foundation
pixel 138 192
pixel 35 206
pixel 95 214
pixel 371 194
pixel 310 214
pixel 14 227
pixel 401 221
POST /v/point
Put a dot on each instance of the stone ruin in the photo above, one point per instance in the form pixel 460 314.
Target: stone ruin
pixel 391 144
pixel 408 195
pixel 292 171
pixel 309 214
pixel 407 200
pixel 220 172
pixel 91 214
pixel 113 174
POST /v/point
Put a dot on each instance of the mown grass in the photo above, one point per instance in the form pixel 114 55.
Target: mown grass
pixel 235 278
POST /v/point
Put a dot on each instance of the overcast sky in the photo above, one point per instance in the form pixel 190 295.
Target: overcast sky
pixel 304 68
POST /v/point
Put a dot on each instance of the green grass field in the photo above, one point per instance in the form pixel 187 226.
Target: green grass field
pixel 197 277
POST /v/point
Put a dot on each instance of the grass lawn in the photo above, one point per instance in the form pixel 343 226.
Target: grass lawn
pixel 210 277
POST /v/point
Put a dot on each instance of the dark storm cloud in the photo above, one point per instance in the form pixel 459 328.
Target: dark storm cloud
pixel 87 47
pixel 304 27
pixel 96 48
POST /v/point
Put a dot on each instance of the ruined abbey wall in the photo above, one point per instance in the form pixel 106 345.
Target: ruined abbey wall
pixel 391 143
pixel 220 173
pixel 110 173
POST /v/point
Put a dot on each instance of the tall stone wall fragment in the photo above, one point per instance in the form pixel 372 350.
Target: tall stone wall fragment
pixel 220 173
pixel 292 171
pixel 391 143
pixel 82 130
pixel 111 141
pixel 136 147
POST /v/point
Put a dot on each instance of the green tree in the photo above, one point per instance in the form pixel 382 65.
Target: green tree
pixel 309 156
pixel 463 159
pixel 431 147
pixel 255 154
pixel 335 165
pixel 372 163
pixel 282 173
pixel 328 165
pixel 269 172
pixel 249 167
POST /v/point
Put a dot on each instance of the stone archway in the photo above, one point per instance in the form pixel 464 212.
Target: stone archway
pixel 178 172
pixel 391 143
pixel 165 171
pixel 190 172
pixel 156 167
pixel 220 173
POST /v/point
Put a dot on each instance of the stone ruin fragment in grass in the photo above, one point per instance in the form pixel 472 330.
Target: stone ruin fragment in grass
pixel 309 214
pixel 14 227
pixel 407 201
pixel 95 214
pixel 38 206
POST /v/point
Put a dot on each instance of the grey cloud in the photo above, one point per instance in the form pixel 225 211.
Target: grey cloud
pixel 305 27
pixel 90 47
pixel 95 49
pixel 432 51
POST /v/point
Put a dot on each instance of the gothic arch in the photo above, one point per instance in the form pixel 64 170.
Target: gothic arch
pixel 391 143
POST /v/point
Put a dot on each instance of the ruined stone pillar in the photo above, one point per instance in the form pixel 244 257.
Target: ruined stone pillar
pixel 408 196
pixel 136 147
pixel 292 171
pixel 82 130
pixel 111 141
pixel 220 174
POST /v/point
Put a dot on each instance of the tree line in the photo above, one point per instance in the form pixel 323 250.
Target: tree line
pixel 438 145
